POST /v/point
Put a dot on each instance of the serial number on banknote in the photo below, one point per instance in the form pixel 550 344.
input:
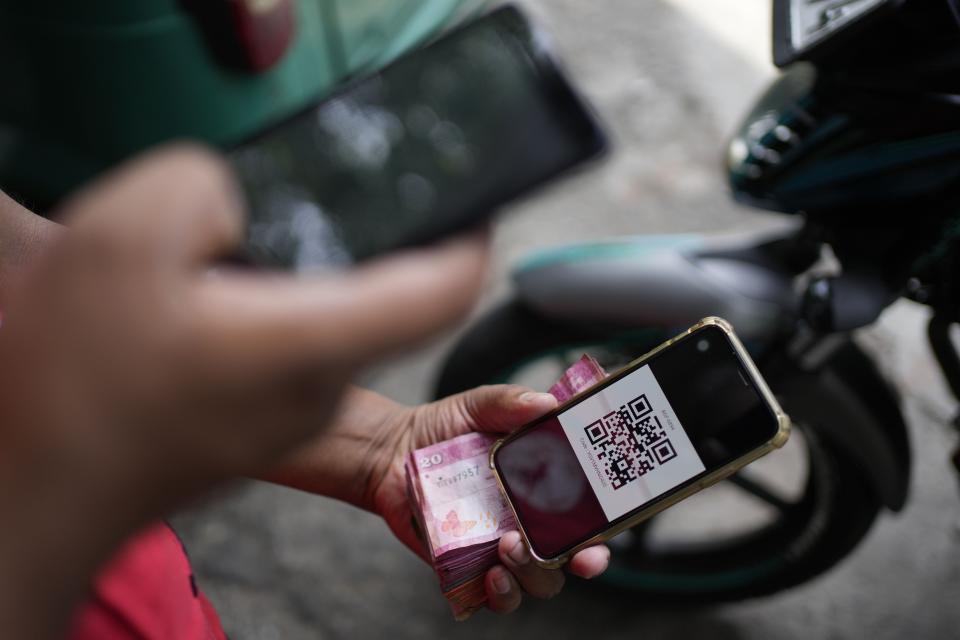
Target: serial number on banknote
pixel 460 476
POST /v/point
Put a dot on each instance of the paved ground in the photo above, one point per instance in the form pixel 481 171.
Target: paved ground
pixel 670 82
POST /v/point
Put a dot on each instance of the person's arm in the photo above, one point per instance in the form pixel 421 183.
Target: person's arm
pixel 343 462
pixel 134 376
pixel 359 459
pixel 23 236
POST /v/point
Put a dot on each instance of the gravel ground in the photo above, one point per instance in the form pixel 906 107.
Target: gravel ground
pixel 670 84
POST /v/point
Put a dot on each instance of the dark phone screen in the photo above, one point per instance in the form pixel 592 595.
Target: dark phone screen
pixel 650 431
pixel 427 146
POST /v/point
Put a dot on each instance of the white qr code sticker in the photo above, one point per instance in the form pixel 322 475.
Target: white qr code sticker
pixel 630 443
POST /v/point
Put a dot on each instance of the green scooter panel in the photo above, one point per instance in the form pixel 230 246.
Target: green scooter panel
pixel 86 84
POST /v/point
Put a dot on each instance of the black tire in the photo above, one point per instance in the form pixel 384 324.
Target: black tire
pixel 810 535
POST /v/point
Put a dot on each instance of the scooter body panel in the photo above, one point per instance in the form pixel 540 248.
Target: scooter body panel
pixel 664 281
pixel 673 281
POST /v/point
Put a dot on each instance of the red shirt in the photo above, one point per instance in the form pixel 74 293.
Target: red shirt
pixel 147 591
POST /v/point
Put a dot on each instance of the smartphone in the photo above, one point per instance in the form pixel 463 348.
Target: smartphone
pixel 681 418
pixel 430 145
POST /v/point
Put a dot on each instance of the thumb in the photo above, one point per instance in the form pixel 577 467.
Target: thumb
pixel 503 408
pixel 177 205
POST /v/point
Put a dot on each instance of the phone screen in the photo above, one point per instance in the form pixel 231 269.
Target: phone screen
pixel 649 431
pixel 429 145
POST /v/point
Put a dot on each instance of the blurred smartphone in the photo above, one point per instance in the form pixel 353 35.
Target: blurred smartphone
pixel 681 418
pixel 430 145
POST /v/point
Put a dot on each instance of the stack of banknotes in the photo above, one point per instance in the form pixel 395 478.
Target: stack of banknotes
pixel 459 507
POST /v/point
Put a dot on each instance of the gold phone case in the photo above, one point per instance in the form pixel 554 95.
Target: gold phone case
pixel 778 440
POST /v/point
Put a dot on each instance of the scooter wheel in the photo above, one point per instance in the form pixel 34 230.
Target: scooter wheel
pixel 761 536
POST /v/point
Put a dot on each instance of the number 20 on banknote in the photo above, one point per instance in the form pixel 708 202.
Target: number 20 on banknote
pixel 682 417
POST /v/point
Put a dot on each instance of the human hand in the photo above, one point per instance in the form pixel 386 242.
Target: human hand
pixel 496 409
pixel 133 376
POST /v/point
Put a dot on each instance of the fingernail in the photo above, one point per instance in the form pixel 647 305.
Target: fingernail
pixel 532 397
pixel 519 553
pixel 501 583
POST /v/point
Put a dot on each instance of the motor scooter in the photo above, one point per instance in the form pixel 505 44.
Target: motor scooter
pixel 858 138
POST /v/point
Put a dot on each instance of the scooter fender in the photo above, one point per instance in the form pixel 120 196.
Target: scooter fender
pixel 658 281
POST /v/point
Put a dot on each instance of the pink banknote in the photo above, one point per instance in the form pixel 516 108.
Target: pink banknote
pixel 459 507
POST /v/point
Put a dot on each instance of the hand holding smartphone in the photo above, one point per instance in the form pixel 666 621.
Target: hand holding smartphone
pixel 430 145
pixel 673 422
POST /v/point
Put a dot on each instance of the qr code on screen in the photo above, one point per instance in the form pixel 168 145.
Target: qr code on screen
pixel 630 442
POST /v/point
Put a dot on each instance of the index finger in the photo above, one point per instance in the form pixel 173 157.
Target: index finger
pixel 279 320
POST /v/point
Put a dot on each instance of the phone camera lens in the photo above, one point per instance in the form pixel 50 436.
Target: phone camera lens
pixel 702 345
